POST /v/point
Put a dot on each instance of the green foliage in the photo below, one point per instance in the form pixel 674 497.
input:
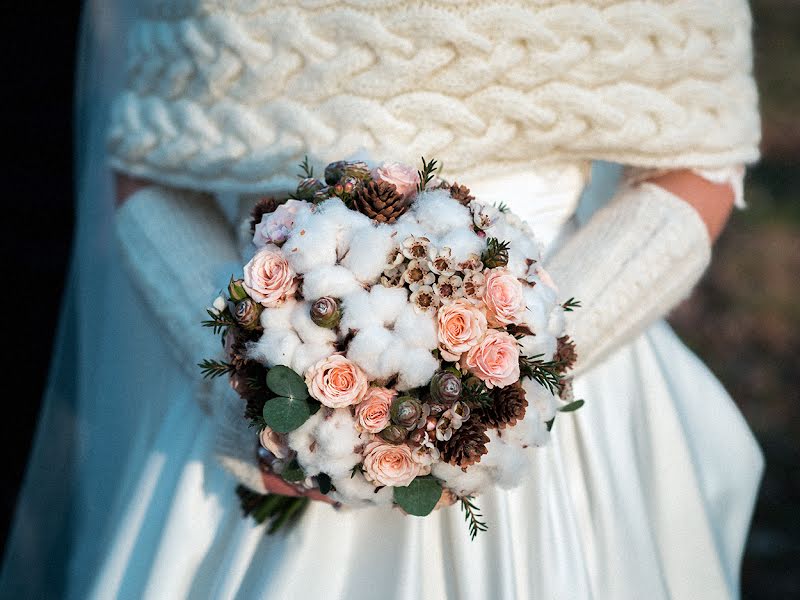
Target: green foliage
pixel 282 381
pixel 475 393
pixel 293 472
pixel 215 368
pixel 496 253
pixel 419 497
pixel 472 516
pixel 426 174
pixel 571 305
pixel 572 406
pixel 545 373
pixel 219 322
pixel 324 483
pixel 502 207
pixel 275 509
pixel 306 168
pixel 284 414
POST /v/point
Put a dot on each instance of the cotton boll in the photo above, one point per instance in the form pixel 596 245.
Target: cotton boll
pixel 307 355
pixel 369 251
pixel 276 347
pixel 357 311
pixel 536 317
pixel 308 331
pixel 417 330
pixel 366 348
pixel 357 491
pixel 312 244
pixel 406 226
pixel 476 479
pixel 392 357
pixel 438 213
pixel 337 440
pixel 510 461
pixel 342 221
pixel 416 369
pixel 278 317
pixel 334 281
pixel 538 345
pixel 462 242
pixel 388 303
pixel 541 399
pixel 302 440
pixel 557 323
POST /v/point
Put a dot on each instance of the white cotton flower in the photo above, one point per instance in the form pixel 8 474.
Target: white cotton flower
pixel 541 399
pixel 417 330
pixel 357 312
pixel 417 368
pixel 407 226
pixel 342 221
pixel 337 440
pixel 312 244
pixel 220 304
pixel 278 317
pixel 366 348
pixel 536 316
pixel 438 213
pixel 476 479
pixel 369 252
pixel 276 347
pixel 510 461
pixel 357 491
pixel 538 345
pixel 302 441
pixel 308 331
pixel 557 322
pixel 388 303
pixel 462 243
pixel 334 281
pixel 308 354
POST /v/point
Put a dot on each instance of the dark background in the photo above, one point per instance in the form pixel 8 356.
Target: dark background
pixel 744 318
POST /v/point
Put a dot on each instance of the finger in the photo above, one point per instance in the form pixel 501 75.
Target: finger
pixel 276 485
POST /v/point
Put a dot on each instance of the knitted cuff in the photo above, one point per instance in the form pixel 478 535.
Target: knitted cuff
pixel 177 244
pixel 633 262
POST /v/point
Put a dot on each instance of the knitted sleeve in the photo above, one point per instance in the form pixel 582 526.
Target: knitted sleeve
pixel 231 95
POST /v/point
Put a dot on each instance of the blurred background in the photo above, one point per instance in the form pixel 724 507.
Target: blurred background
pixel 743 320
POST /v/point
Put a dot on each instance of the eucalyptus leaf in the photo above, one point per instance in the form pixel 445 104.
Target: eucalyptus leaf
pixel 281 380
pixel 293 472
pixel 572 406
pixel 284 414
pixel 419 497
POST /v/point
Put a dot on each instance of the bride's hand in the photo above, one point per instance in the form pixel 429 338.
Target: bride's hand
pixel 275 484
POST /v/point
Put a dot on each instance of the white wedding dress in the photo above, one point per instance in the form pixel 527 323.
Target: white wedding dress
pixel 646 492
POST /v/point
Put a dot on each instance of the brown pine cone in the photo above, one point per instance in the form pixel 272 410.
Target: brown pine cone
pixel 508 407
pixel 461 193
pixel 265 205
pixel 566 354
pixel 380 201
pixel 467 445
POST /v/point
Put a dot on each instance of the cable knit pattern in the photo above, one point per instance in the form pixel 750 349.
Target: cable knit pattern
pixel 230 95
pixel 634 261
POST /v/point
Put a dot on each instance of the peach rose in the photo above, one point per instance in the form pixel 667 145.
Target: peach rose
pixel 276 226
pixel 373 412
pixel 495 360
pixel 275 442
pixel 268 278
pixel 389 464
pixel 404 177
pixel 461 325
pixel 337 382
pixel 503 297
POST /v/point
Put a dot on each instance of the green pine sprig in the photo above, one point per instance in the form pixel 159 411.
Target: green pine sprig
pixel 219 321
pixel 476 394
pixel 571 305
pixel 472 516
pixel 545 373
pixel 502 207
pixel 307 169
pixel 426 174
pixel 496 253
pixel 215 368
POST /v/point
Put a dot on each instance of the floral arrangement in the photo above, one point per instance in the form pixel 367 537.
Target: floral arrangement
pixel 395 340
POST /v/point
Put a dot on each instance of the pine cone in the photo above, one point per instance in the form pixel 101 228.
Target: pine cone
pixel 380 201
pixel 467 445
pixel 565 354
pixel 264 206
pixel 461 193
pixel 508 407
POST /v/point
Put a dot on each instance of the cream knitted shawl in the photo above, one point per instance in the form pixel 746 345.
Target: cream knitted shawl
pixel 230 94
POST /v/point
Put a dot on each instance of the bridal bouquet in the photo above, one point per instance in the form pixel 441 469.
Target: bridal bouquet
pixel 395 340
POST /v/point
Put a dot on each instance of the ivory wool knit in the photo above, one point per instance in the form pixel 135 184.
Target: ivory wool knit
pixel 230 95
